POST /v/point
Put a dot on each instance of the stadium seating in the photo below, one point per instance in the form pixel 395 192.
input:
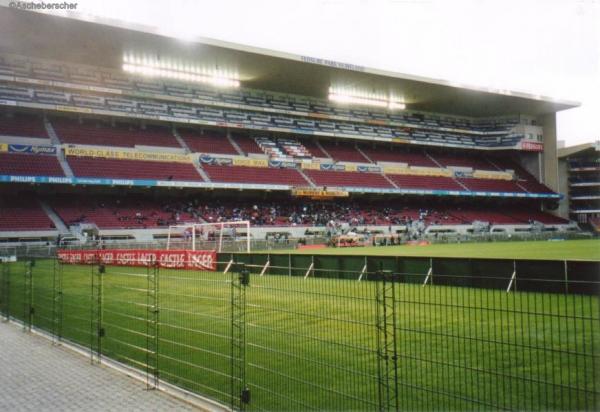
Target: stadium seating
pixel 139 213
pixel 208 141
pixel 233 174
pixel 314 148
pixel 23 215
pixel 425 182
pixel 20 164
pixel 247 144
pixel 119 213
pixel 412 158
pixel 533 186
pixel 530 215
pixel 468 215
pixel 347 179
pixel 491 185
pixel 344 152
pixel 98 133
pixel 132 169
pixel 24 125
pixel 462 160
pixel 294 148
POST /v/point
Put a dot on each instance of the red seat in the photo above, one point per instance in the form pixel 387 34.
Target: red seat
pixel 344 152
pixel 25 125
pixel 425 182
pixel 207 141
pixel 29 165
pixel 23 215
pixel 347 179
pixel 98 133
pixel 247 144
pixel 233 174
pixel 414 158
pixel 132 169
pixel 491 185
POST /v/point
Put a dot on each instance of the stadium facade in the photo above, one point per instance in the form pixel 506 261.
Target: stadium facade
pixel 120 131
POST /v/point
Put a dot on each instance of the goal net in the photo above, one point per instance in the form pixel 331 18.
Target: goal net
pixel 221 236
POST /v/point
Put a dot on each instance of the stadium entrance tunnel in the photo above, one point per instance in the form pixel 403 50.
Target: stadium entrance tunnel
pixel 298 332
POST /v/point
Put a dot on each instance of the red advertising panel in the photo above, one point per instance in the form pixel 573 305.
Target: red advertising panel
pixel 176 259
pixel 532 145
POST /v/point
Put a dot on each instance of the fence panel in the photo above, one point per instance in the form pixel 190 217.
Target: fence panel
pixel 42 299
pixel 75 303
pixel 125 305
pixel 311 344
pixel 195 331
pixel 465 348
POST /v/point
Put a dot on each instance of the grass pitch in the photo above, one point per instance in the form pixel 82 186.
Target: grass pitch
pixel 566 249
pixel 313 344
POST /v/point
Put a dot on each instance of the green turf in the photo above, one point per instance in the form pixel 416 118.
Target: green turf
pixel 312 344
pixel 568 249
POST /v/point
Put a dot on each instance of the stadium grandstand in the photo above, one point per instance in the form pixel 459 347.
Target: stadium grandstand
pixel 579 168
pixel 140 132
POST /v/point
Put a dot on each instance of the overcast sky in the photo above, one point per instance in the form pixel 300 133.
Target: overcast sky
pixel 547 47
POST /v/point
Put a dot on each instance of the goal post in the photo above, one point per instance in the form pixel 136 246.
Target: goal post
pixel 210 235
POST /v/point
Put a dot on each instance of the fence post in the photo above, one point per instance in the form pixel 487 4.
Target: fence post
pixel 240 393
pixel 5 285
pixel 387 355
pixel 96 328
pixel 28 296
pixel 566 269
pixel 57 301
pixel 429 273
pixel 152 311
pixel 513 278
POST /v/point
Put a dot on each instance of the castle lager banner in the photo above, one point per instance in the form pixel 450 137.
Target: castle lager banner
pixel 174 259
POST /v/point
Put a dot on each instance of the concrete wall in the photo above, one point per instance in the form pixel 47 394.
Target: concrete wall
pixel 549 156
pixel 563 188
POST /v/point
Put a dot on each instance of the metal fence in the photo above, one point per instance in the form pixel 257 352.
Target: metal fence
pixel 315 340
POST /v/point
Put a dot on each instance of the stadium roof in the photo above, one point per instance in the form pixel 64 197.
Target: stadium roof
pixel 577 149
pixel 103 42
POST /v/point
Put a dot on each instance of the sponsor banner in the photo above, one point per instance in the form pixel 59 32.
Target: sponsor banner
pixel 281 163
pixel 463 173
pixel 489 174
pixel 311 166
pixel 174 259
pixel 417 171
pixel 250 162
pixel 118 154
pixel 73 109
pixel 531 145
pixel 332 166
pixel 208 159
pixel 372 169
pixel 319 194
pixel 3 147
pixel 25 148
